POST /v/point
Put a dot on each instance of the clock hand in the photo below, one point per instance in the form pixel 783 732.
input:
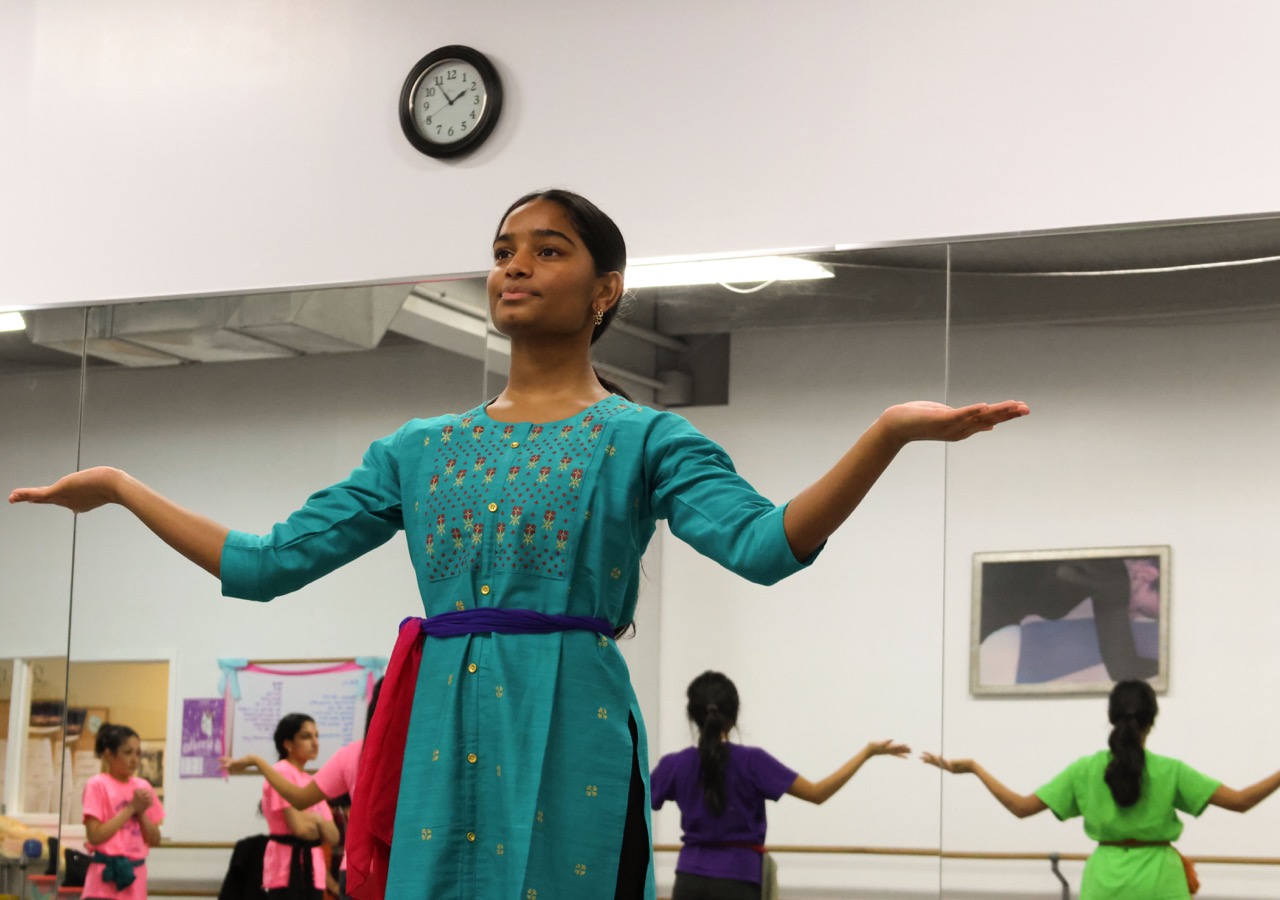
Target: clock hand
pixel 446 95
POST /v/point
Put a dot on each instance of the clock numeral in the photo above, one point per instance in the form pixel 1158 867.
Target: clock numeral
pixel 473 85
pixel 439 80
pixel 464 126
pixel 453 74
pixel 438 127
pixel 473 114
pixel 430 92
pixel 450 132
pixel 426 106
pixel 428 122
pixel 475 99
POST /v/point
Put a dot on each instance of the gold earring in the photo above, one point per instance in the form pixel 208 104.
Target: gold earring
pixel 599 316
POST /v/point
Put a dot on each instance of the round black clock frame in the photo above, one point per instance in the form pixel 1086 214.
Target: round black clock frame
pixel 488 116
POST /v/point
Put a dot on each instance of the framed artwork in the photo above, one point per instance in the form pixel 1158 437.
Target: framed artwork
pixel 151 765
pixel 1069 621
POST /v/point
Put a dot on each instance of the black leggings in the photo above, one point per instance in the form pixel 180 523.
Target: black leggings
pixel 696 887
pixel 633 858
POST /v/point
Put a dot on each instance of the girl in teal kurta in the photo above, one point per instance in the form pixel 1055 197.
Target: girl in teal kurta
pixel 1130 799
pixel 525 761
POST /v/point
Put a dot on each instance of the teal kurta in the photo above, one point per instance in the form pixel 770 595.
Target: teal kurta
pixel 1131 873
pixel 519 754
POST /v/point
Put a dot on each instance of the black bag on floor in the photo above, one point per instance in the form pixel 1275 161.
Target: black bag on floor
pixel 76 867
pixel 244 875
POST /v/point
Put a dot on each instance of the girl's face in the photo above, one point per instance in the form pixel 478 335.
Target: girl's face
pixel 543 281
pixel 305 745
pixel 123 763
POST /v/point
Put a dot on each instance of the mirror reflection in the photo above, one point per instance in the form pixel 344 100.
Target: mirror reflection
pixel 1128 517
pixel 1139 351
pixel 39 409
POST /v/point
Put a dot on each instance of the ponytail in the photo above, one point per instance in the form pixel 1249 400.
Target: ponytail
pixel 1132 711
pixel 713 708
pixel 111 738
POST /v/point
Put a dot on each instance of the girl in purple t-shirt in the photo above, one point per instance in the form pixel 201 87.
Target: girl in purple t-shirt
pixel 121 819
pixel 721 788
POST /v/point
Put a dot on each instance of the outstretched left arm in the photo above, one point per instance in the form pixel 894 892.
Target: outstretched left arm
pixel 1021 805
pixel 818 510
pixel 1245 799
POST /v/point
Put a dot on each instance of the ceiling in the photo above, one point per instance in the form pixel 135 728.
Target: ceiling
pixel 1134 274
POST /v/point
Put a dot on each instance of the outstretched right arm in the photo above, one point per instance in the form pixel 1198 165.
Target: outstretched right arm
pixel 196 537
pixel 333 527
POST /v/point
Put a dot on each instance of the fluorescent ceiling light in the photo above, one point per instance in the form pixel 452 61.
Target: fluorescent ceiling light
pixel 744 270
pixel 12 321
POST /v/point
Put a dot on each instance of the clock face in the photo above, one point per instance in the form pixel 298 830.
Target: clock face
pixel 449 101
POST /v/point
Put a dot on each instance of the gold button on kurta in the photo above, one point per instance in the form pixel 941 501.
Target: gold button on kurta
pixel 484 589
pixel 471 836
pixel 471 757
pixel 471 668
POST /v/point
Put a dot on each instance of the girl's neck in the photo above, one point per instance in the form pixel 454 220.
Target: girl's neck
pixel 299 764
pixel 551 366
pixel 123 779
pixel 547 385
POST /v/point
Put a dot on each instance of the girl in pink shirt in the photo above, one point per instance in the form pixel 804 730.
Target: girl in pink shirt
pixel 335 778
pixel 121 819
pixel 293 866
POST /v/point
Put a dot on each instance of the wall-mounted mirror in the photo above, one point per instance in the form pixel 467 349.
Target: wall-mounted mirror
pixel 1119 532
pixel 39 409
pixel 240 406
pixel 1145 353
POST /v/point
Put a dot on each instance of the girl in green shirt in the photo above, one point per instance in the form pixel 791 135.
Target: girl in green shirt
pixel 1129 799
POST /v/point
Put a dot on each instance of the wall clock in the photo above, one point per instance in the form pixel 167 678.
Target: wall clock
pixel 450 101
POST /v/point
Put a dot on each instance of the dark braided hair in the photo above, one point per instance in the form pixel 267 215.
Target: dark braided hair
pixel 603 240
pixel 1132 710
pixel 713 708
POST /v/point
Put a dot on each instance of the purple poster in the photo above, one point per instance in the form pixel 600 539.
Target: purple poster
pixel 203 733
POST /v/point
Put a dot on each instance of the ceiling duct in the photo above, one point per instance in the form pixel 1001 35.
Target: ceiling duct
pixel 225 329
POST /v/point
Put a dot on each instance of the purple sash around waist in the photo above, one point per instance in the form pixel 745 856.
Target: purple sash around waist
pixel 505 621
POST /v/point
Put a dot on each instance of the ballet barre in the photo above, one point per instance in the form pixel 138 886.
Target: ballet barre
pixel 978 854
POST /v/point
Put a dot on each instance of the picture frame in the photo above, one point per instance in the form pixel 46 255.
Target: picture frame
pixel 151 765
pixel 1054 622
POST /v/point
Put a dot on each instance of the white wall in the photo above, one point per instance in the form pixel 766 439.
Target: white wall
pixel 152 148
